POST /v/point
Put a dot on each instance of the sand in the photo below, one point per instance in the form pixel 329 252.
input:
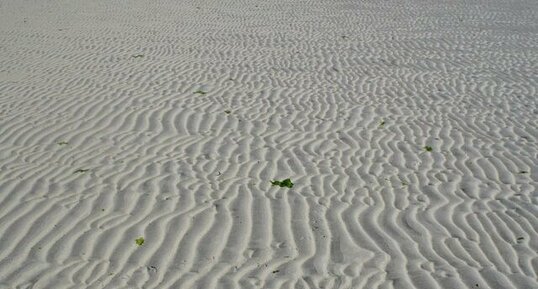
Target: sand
pixel 408 128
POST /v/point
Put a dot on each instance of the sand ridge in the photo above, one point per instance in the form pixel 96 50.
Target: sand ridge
pixel 167 120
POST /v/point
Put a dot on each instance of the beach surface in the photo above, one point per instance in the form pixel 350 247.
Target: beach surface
pixel 139 140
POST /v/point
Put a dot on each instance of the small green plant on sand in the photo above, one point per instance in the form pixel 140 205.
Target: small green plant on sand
pixel 283 184
pixel 228 111
pixel 382 124
pixel 61 143
pixel 139 241
pixel 79 171
pixel 428 148
pixel 138 56
pixel 199 91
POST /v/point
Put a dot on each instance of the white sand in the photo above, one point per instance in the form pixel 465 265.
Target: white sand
pixel 109 86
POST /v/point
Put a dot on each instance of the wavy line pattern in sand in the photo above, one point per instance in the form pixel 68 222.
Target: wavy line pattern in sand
pixel 341 96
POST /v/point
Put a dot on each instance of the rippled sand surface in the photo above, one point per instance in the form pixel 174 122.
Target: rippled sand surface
pixel 408 128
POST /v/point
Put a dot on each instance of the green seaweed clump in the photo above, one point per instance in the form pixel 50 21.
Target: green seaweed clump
pixel 139 241
pixel 283 184
pixel 428 148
